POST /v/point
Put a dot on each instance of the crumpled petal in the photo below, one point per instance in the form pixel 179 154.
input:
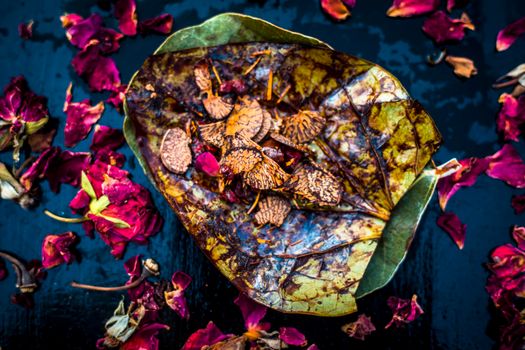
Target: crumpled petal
pixel 175 298
pixel 518 203
pixel 452 4
pixel 236 86
pixel 292 336
pixel 404 310
pixel 56 249
pixel 161 24
pixel 409 8
pixel 208 164
pixel 442 28
pixel 125 13
pixel 451 224
pixel 463 67
pixel 360 328
pixel 511 117
pixel 81 116
pixel 507 165
pixel 117 96
pixel 205 337
pixel 25 30
pixel 508 35
pixel 338 9
pixel 99 71
pixel 252 312
pixel 145 337
pixel 106 137
pixel 43 138
pixel 466 176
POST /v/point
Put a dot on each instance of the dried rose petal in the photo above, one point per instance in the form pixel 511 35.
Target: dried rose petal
pixel 313 347
pixel 207 163
pixel 511 116
pixel 518 203
pixel 161 24
pixel 409 8
pixel 292 336
pixel 442 28
pixel 175 298
pixel 338 9
pixel 25 30
pixel 90 32
pixel 236 86
pixel 99 71
pixel 40 167
pixel 105 137
pixel 466 176
pixel 145 337
pixel 43 138
pixel 117 96
pixel 24 300
pixel 3 270
pixel 360 328
pixel 508 35
pixel 404 310
pixel 507 165
pixel 205 337
pixel 451 224
pixel 127 18
pixel 56 249
pixel 252 314
pixel 463 67
pixel 452 4
pixel 81 116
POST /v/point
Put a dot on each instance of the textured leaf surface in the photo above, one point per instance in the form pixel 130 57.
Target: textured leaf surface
pixel 376 141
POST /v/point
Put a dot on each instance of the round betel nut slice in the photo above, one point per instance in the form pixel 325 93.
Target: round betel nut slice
pixel 175 152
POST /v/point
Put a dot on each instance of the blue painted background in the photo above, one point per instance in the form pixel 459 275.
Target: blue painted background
pixel 449 282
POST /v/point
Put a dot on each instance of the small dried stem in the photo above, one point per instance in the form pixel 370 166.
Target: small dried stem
pixel 24 280
pixel 63 219
pixel 438 59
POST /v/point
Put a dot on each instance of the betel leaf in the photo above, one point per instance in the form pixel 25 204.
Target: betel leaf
pixel 376 141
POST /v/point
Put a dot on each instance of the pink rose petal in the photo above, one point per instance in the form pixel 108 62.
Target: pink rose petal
pixel 511 117
pixel 292 336
pixel 452 4
pixel 205 337
pixel 161 24
pixel 175 298
pixel 508 35
pixel 339 10
pixel 451 224
pixel 409 8
pixel 507 165
pixel 81 116
pixel 117 96
pixel 90 32
pixel 252 312
pixel 404 310
pixel 99 71
pixel 56 249
pixel 208 164
pixel 106 137
pixel 145 337
pixel 442 28
pixel 126 16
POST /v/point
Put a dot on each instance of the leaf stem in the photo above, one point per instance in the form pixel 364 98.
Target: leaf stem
pixel 63 219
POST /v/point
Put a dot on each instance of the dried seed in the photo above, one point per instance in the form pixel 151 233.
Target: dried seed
pixel 272 209
pixel 175 151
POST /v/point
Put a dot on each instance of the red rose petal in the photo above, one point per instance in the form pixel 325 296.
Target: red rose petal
pixel 442 28
pixel 508 35
pixel 117 96
pixel 161 24
pixel 236 85
pixel 511 117
pixel 99 71
pixel 106 137
pixel 452 4
pixel 409 8
pixel 507 165
pixel 70 19
pixel 90 32
pixel 56 249
pixel 466 176
pixel 451 224
pixel 205 337
pixel 25 30
pixel 175 298
pixel 127 18
pixel 81 116
pixel 3 270
pixel 359 329
pixel 518 203
pixel 336 9
pixel 313 347
pixel 145 337
pixel 252 312
pixel 404 310
pixel 208 164
pixel 518 233
pixel 292 336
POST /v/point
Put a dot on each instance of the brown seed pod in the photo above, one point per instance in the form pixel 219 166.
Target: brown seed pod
pixel 246 118
pixel 266 125
pixel 303 126
pixel 217 107
pixel 213 133
pixel 272 209
pixel 175 152
pixel 241 159
pixel 266 175
pixel 202 77
pixel 315 184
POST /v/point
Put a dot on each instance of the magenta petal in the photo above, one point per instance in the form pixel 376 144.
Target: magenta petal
pixel 508 35
pixel 208 164
pixel 126 16
pixel 145 337
pixel 404 310
pixel 117 96
pixel 175 298
pixel 180 280
pixel 99 71
pixel 67 169
pixel 518 203
pixel 359 329
pixel 205 337
pixel 161 24
pixel 39 168
pixel 3 270
pixel 70 19
pixel 507 165
pixel 292 336
pixel 511 117
pixel 56 249
pixel 518 233
pixel 451 224
pixel 25 30
pixel 236 86
pixel 106 137
pixel 133 267
pixel 466 176
pixel 81 116
pixel 442 28
pixel 452 4
pixel 409 8
pixel 313 347
pixel 252 312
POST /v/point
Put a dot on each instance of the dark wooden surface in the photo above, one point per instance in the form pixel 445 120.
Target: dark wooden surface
pixel 450 283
